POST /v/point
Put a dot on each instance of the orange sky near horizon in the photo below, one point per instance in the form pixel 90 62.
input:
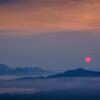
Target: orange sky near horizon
pixel 49 15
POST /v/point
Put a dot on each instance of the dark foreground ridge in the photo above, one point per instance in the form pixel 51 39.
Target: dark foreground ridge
pixel 80 72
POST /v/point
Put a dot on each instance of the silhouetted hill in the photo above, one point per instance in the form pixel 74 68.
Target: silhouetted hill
pixel 27 71
pixel 36 71
pixel 4 69
pixel 30 78
pixel 77 73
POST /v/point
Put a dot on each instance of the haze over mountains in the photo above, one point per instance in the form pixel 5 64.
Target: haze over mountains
pixel 27 71
pixel 36 71
pixel 80 72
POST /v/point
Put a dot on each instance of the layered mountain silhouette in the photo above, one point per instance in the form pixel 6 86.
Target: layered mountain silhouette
pixel 80 72
pixel 27 71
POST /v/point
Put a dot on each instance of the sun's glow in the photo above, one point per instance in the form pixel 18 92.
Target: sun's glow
pixel 88 59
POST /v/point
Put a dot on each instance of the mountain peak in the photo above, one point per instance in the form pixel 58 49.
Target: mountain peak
pixel 3 66
pixel 26 71
pixel 80 69
pixel 4 69
pixel 79 72
pixel 38 69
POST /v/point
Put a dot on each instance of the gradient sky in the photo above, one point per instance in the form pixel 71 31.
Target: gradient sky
pixel 53 34
pixel 46 15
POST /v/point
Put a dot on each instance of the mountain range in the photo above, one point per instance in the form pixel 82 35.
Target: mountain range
pixel 38 72
pixel 80 72
pixel 27 71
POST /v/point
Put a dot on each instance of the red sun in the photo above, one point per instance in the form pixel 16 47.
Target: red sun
pixel 88 59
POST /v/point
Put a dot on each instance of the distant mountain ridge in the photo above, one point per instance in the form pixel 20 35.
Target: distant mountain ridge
pixel 38 72
pixel 27 71
pixel 80 72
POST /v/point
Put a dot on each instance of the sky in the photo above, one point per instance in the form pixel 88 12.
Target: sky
pixel 51 34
